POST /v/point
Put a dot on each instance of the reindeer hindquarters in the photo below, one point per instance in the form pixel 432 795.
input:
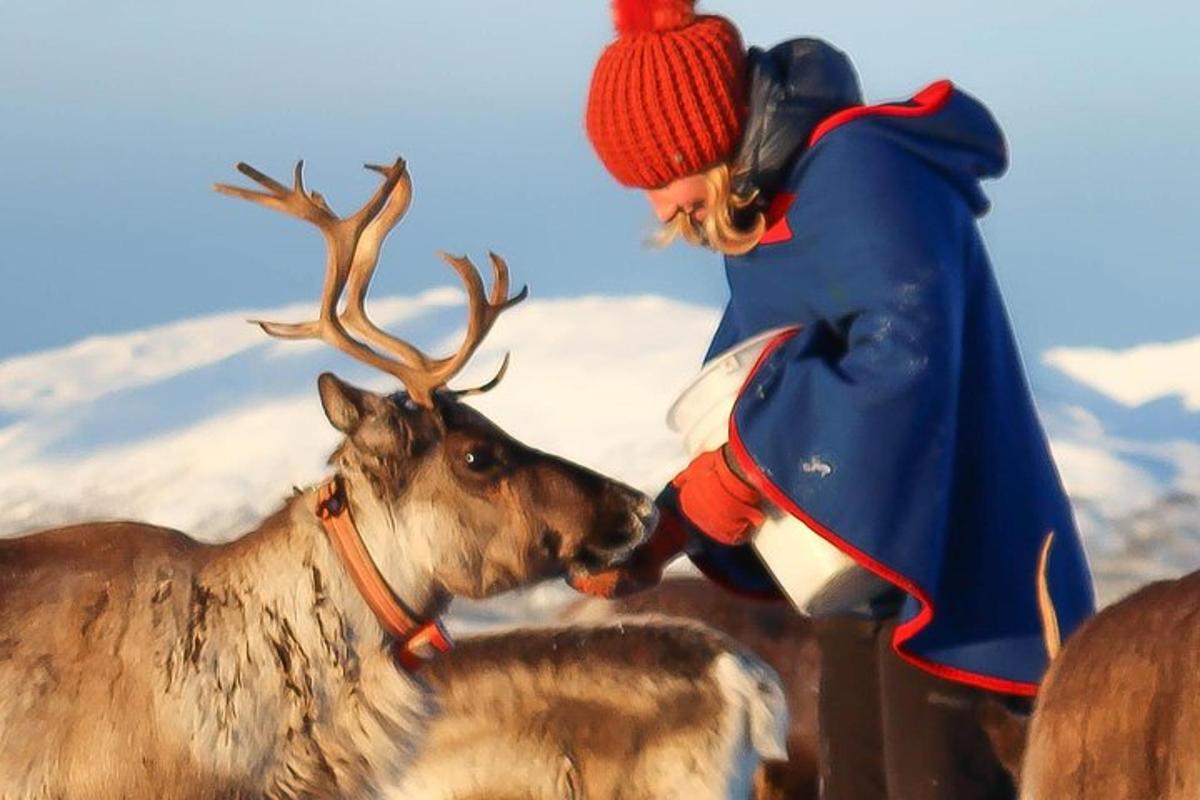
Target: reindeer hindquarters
pixel 1117 715
pixel 640 709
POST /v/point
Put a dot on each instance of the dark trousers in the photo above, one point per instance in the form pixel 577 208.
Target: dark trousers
pixel 891 731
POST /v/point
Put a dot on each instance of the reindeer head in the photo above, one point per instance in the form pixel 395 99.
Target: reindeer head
pixel 469 506
pixel 447 503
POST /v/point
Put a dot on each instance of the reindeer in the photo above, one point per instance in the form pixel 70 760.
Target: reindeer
pixel 136 662
pixel 1116 716
pixel 622 701
pixel 638 708
pixel 775 632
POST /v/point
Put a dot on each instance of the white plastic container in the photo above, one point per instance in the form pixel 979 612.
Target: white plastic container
pixel 818 578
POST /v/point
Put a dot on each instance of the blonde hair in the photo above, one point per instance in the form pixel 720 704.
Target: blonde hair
pixel 723 228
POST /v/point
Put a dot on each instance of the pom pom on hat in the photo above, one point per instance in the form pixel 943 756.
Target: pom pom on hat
pixel 632 17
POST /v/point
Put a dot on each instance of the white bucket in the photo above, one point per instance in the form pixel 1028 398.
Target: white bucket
pixel 817 578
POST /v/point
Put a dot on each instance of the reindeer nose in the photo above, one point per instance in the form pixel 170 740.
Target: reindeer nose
pixel 647 516
pixel 641 519
pixel 630 520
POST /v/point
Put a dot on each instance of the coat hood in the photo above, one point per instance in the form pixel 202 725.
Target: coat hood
pixel 942 126
pixel 803 89
pixel 792 88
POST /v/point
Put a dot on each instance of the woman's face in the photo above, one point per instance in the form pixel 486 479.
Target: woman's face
pixel 685 194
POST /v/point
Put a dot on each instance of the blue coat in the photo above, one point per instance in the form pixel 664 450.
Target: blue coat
pixel 897 421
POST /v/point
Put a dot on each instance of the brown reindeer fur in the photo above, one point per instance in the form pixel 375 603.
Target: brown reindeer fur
pixel 1007 732
pixel 776 633
pixel 640 708
pixel 135 662
pixel 1116 717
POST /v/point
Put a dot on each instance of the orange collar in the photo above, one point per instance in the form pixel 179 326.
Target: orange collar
pixel 415 642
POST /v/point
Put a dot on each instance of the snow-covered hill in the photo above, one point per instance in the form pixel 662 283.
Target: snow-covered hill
pixel 1156 542
pixel 206 424
pixel 1137 375
pixel 1125 427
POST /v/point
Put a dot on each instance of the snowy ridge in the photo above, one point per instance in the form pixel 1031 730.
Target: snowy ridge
pixel 206 424
pixel 100 365
pixel 1136 375
pixel 213 415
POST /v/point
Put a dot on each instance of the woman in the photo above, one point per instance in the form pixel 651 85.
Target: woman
pixel 892 416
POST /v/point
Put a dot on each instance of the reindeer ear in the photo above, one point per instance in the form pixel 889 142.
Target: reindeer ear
pixel 345 406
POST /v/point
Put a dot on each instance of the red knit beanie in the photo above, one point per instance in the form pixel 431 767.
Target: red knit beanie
pixel 668 95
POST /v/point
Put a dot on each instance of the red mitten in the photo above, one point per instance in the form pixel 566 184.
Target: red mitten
pixel 644 568
pixel 721 505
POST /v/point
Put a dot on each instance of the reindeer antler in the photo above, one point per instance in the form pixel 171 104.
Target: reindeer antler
pixel 352 247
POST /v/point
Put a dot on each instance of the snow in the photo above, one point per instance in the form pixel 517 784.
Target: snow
pixel 1136 375
pixel 579 385
pixel 1094 473
pixel 89 369
pixel 206 424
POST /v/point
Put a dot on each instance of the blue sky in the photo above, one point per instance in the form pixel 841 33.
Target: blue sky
pixel 115 118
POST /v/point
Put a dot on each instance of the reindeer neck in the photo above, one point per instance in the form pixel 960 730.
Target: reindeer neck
pixel 283 584
pixel 399 544
pixel 273 618
pixel 288 567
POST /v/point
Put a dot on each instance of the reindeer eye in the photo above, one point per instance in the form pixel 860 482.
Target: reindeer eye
pixel 479 459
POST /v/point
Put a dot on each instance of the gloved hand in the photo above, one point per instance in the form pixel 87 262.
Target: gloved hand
pixel 644 568
pixel 721 505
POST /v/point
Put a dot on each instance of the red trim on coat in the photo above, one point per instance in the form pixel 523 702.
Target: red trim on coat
pixel 903 632
pixel 778 229
pixel 929 100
